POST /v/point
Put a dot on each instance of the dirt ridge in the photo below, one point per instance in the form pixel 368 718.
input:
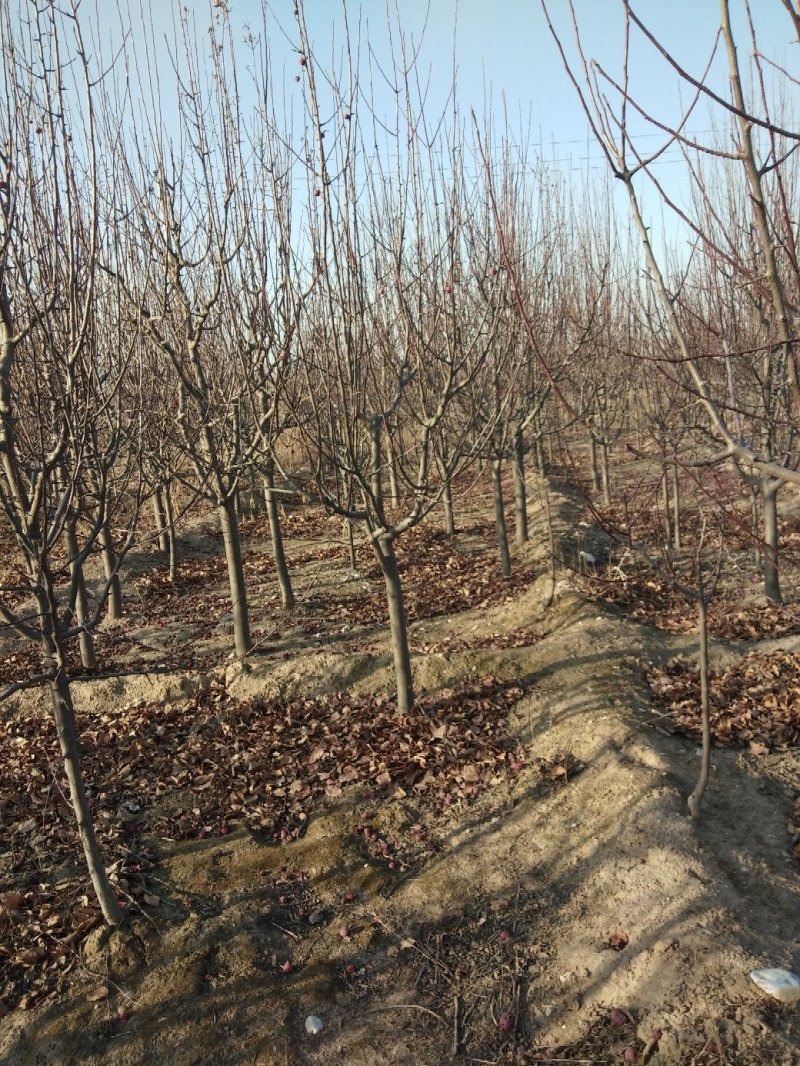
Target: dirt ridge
pixel 612 897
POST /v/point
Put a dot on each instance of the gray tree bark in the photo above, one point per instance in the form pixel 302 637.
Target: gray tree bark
pixel 695 800
pixel 161 521
pixel 233 557
pixel 172 538
pixel 772 584
pixel 676 508
pixel 520 490
pixel 666 507
pixel 593 467
pixel 384 549
pixel 109 557
pixel 500 518
pixel 538 451
pixel 376 480
pixel 349 533
pixel 276 535
pixel 449 514
pixel 64 714
pixel 88 658
pixel 605 474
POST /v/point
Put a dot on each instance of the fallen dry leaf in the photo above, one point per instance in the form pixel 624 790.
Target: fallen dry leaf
pixel 618 941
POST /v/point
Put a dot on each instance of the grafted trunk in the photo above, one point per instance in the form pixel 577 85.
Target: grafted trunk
pixel 276 534
pixel 66 728
pixel 500 518
pixel 772 584
pixel 81 600
pixel 233 557
pixel 109 557
pixel 384 549
pixel 520 490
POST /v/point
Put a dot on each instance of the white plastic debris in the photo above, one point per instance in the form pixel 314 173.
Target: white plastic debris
pixel 780 984
pixel 314 1024
pixel 587 557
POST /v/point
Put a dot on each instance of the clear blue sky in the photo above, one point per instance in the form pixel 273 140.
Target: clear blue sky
pixel 507 48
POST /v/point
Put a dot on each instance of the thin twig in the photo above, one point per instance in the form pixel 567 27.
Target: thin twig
pixel 288 932
pixel 456 1024
pixel 403 1006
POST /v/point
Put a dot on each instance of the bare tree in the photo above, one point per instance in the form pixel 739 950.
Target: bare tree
pixel 399 323
pixel 65 424
pixel 757 155
pixel 183 213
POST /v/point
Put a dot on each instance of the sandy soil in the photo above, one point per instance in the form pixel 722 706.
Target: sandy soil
pixel 564 916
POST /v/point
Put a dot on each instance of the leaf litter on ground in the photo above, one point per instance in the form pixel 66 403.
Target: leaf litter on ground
pixel 755 703
pixel 189 771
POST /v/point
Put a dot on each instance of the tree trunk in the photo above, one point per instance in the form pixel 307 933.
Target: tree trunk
pixel 281 566
pixel 161 521
pixel 447 504
pixel 520 491
pixel 384 549
pixel 551 541
pixel 233 557
pixel 81 600
pixel 377 462
pixel 665 505
pixel 172 539
pixel 606 477
pixel 755 524
pixel 695 800
pixel 447 499
pixel 772 585
pixel 394 490
pixel 538 451
pixel 500 518
pixel 109 558
pixel 676 509
pixel 349 533
pixel 254 498
pixel 595 472
pixel 64 714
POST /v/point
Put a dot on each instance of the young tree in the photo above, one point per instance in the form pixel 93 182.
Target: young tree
pixel 399 324
pixel 746 241
pixel 63 424
pixel 183 216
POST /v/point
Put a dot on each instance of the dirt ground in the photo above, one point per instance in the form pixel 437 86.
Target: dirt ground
pixel 543 899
